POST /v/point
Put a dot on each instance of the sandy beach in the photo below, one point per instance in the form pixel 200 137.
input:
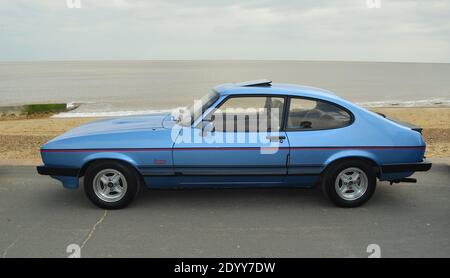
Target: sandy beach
pixel 20 139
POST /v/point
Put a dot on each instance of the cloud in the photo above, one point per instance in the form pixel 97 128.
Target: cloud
pixel 175 29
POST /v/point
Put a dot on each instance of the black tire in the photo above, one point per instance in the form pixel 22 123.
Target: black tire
pixel 129 174
pixel 331 174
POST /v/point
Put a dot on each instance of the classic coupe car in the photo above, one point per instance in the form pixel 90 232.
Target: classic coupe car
pixel 250 134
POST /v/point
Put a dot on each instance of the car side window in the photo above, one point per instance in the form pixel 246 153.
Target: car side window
pixel 309 114
pixel 249 114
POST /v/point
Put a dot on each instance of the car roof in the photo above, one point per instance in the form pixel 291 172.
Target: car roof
pixel 264 86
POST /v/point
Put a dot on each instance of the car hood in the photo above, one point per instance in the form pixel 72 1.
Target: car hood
pixel 124 124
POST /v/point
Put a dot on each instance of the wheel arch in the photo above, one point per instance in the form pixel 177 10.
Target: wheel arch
pixel 369 160
pixel 100 159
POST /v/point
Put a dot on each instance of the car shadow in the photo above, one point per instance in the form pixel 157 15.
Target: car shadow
pixel 299 197
pixel 219 198
pixel 209 198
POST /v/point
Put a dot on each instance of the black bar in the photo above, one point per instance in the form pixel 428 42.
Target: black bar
pixel 53 171
pixel 406 167
pixel 224 266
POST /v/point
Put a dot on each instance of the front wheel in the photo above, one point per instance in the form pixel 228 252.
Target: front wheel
pixel 349 183
pixel 111 184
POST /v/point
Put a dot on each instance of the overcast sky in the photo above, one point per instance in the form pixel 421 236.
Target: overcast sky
pixel 400 30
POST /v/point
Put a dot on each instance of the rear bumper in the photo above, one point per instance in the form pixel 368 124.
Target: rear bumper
pixel 406 167
pixel 57 171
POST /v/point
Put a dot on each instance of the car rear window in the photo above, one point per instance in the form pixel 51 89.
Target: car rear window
pixel 312 114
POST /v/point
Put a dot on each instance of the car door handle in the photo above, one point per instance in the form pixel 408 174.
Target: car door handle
pixel 276 138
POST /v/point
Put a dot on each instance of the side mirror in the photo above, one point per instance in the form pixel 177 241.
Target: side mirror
pixel 207 127
pixel 177 115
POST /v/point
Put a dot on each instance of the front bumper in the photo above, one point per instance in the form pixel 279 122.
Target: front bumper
pixel 406 167
pixel 57 171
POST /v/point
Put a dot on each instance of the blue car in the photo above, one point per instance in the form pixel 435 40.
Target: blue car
pixel 250 134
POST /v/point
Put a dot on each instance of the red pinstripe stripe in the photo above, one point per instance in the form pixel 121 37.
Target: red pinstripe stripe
pixel 359 148
pixel 105 150
pixel 230 149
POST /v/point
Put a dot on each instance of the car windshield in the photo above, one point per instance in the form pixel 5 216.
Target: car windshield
pixel 197 108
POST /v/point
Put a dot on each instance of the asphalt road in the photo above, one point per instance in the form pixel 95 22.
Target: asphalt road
pixel 39 218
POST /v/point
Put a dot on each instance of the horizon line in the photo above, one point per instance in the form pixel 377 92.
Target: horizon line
pixel 216 60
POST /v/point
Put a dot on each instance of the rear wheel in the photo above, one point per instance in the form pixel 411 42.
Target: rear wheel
pixel 349 183
pixel 111 184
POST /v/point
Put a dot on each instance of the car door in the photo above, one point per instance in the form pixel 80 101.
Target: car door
pixel 237 142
